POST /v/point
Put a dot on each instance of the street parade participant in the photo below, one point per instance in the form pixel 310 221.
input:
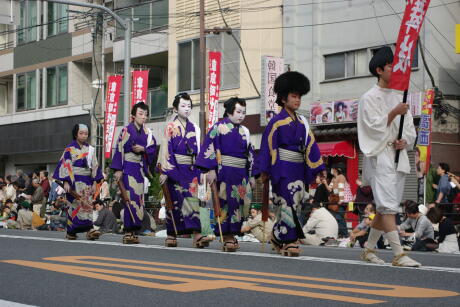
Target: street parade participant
pixel 79 172
pixel 290 158
pixel 178 150
pixel 379 115
pixel 134 153
pixel 227 155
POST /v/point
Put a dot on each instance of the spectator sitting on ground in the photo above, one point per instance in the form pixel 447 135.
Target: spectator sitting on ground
pixel 37 198
pixel 361 232
pixel 58 215
pixel 255 226
pixel 423 231
pixel 2 192
pixel 447 235
pixel 10 190
pixel 24 214
pixel 106 220
pixel 8 217
pixel 320 225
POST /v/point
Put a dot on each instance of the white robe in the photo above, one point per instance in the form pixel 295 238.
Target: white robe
pixel 379 168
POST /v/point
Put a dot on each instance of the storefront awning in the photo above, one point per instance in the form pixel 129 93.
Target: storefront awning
pixel 334 149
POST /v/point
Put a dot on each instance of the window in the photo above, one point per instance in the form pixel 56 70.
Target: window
pixel 28 21
pixel 57 18
pixel 353 63
pixel 189 66
pixel 148 16
pixel 3 98
pixel 26 90
pixel 230 63
pixel 189 61
pixel 56 86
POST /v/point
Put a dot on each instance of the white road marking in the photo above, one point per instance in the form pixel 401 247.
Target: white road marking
pixel 4 303
pixel 239 253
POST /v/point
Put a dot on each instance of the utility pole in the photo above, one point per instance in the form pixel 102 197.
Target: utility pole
pixel 126 25
pixel 202 72
pixel 97 80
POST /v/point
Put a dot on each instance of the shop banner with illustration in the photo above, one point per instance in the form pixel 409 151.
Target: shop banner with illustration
pixel 423 156
pixel 347 110
pixel 214 88
pixel 111 111
pixel 140 81
pixel 272 67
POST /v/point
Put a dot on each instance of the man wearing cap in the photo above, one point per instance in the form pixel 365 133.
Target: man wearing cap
pixel 379 115
pixel 79 171
pixel 255 226
pixel 290 158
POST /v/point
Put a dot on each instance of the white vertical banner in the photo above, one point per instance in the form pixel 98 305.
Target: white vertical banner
pixel 271 68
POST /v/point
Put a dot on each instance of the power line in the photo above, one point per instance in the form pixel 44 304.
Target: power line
pixel 241 49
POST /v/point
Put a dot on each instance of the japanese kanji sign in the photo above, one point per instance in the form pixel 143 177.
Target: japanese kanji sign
pixel 272 67
pixel 214 88
pixel 407 40
pixel 111 110
pixel 424 130
pixel 140 86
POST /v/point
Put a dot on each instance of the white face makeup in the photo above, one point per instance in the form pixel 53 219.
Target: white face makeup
pixel 184 109
pixel 238 115
pixel 141 117
pixel 82 135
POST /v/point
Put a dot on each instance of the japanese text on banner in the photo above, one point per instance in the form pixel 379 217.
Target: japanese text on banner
pixel 140 86
pixel 272 67
pixel 407 40
pixel 113 95
pixel 214 88
pixel 424 130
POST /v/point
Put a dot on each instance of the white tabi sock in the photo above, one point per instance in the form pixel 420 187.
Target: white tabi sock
pixel 395 243
pixel 374 236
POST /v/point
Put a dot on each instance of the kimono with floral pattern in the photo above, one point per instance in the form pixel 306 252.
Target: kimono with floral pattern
pixel 80 173
pixel 288 179
pixel 226 138
pixel 134 167
pixel 183 179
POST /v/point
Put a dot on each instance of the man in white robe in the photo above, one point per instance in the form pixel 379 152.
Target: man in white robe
pixel 379 114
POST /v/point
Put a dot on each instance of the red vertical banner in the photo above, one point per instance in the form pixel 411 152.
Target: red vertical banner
pixel 214 88
pixel 140 81
pixel 407 41
pixel 111 110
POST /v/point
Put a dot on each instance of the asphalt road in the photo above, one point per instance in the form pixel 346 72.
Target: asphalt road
pixel 43 269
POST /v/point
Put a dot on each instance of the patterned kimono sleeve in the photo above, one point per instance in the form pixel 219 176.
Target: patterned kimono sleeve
pixel 207 158
pixel 268 147
pixel 251 160
pixel 64 170
pixel 119 156
pixel 166 156
pixel 313 158
pixel 96 171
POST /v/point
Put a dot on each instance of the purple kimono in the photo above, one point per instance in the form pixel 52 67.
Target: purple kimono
pixel 292 162
pixel 134 167
pixel 79 168
pixel 178 150
pixel 227 150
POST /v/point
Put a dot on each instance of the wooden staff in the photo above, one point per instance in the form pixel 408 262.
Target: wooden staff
pixel 216 203
pixel 124 196
pixel 265 201
pixel 168 200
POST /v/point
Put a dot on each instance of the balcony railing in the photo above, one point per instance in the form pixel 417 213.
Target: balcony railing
pixel 147 17
pixel 157 100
